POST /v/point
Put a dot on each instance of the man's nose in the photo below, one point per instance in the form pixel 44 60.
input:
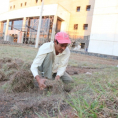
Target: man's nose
pixel 63 48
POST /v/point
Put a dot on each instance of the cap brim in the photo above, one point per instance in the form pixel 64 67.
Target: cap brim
pixel 64 41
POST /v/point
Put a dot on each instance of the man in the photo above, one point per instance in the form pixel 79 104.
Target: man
pixel 51 60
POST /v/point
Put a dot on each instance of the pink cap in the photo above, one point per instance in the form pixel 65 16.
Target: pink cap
pixel 62 37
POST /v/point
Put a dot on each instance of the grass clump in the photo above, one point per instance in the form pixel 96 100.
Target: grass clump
pixel 2 76
pixel 22 81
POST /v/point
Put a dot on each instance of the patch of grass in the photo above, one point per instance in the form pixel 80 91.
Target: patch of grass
pixel 93 93
pixel 93 96
pixel 85 109
pixel 24 53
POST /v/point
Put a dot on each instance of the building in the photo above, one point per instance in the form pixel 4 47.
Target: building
pixel 104 31
pixel 20 22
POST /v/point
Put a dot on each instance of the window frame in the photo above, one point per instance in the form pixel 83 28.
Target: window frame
pixel 21 4
pixel 85 26
pixel 75 27
pixel 36 1
pixel 77 8
pixel 88 7
pixel 25 3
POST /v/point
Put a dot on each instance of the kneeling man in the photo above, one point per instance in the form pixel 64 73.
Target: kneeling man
pixel 51 61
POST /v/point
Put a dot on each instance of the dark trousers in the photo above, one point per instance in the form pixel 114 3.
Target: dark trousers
pixel 46 69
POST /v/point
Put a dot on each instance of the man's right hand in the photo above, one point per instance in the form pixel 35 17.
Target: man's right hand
pixel 41 82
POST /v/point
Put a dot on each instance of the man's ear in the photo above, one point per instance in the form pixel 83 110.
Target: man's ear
pixel 55 42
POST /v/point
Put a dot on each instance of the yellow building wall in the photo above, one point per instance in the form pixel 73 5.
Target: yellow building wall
pixel 82 17
pixel 65 3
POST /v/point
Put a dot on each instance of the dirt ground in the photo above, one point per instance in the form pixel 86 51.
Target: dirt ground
pixel 24 99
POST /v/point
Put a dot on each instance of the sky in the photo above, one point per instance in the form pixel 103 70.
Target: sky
pixel 4 6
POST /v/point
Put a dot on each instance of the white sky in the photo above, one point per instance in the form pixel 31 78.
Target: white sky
pixel 4 6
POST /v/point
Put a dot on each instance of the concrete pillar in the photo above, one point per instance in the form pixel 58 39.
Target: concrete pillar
pixel 18 38
pixel 12 25
pixel 23 29
pixel 23 25
pixel 6 31
pixel 1 27
pixel 54 28
pixel 1 30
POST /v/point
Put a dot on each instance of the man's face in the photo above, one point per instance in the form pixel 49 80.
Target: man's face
pixel 59 48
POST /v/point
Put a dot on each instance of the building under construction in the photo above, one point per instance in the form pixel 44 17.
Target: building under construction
pixel 20 23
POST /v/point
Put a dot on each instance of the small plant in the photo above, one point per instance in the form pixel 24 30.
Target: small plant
pixel 83 108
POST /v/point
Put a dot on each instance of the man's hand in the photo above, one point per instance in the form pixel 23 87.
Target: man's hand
pixel 41 82
pixel 57 77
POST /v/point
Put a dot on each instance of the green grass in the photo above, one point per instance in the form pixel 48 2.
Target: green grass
pixel 93 95
pixel 96 92
pixel 24 53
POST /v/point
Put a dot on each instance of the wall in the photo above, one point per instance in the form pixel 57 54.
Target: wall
pixel 30 3
pixel 17 4
pixel 29 12
pixel 4 6
pixel 65 15
pixel 82 17
pixel 104 32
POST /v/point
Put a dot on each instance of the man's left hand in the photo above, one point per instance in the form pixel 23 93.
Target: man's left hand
pixel 57 78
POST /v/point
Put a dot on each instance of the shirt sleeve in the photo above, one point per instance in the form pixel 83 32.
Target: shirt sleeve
pixel 36 63
pixel 63 64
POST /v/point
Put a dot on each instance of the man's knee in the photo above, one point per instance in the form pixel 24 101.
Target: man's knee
pixel 66 78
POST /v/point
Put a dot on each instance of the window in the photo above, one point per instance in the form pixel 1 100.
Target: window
pixel 78 9
pixel 75 26
pixel 10 7
pixel 21 4
pixel 82 45
pixel 36 1
pixel 41 0
pixel 88 7
pixel 14 6
pixel 85 26
pixel 25 3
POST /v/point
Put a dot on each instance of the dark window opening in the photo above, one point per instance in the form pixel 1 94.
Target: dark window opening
pixel 25 3
pixel 15 37
pixel 78 9
pixel 75 26
pixel 10 7
pixel 21 4
pixel 82 45
pixel 36 1
pixel 85 26
pixel 14 6
pixel 88 7
pixel 58 27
